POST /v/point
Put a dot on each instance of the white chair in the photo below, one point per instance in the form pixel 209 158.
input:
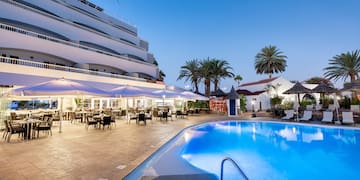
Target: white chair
pixel 355 108
pixel 347 118
pixel 309 107
pixel 318 107
pixel 327 117
pixel 331 107
pixel 307 116
pixel 289 114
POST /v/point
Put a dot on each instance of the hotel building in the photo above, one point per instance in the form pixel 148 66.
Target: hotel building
pixel 72 39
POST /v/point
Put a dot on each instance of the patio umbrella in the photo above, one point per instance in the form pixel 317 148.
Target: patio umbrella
pixel 131 91
pixel 164 93
pixel 192 95
pixel 323 88
pixel 298 88
pixel 60 88
pixel 296 108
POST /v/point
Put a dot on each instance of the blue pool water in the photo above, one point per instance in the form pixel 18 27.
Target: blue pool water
pixel 263 150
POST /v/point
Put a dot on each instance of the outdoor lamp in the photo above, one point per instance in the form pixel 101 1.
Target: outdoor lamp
pixel 253 107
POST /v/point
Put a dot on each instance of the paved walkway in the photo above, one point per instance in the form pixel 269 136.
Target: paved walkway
pixel 77 153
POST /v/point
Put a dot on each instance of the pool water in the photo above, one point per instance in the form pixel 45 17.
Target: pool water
pixel 266 150
pixel 262 149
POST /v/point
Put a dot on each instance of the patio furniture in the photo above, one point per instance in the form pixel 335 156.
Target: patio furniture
pixel 90 121
pixel 106 121
pixel 347 118
pixel 43 126
pixel 327 117
pixel 288 114
pixel 14 129
pixel 141 118
pixel 307 116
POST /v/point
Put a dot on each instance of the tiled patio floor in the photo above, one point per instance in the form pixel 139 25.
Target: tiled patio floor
pixel 94 154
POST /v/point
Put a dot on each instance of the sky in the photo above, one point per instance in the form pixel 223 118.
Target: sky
pixel 308 32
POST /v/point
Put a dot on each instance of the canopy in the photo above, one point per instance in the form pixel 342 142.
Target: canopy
pixel 324 88
pixel 164 93
pixel 131 91
pixel 60 87
pixel 192 95
pixel 298 88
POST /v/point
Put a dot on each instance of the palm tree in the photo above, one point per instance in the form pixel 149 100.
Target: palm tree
pixel 343 66
pixel 238 78
pixel 270 60
pixel 162 75
pixel 220 70
pixel 191 71
pixel 206 74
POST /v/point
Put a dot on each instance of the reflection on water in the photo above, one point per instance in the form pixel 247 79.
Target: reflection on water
pixel 275 150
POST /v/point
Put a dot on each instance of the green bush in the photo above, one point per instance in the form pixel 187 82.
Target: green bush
pixel 275 101
pixel 242 102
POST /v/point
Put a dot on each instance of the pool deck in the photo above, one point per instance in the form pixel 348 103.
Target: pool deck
pixel 77 153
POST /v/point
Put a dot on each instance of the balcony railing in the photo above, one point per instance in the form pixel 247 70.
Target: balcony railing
pixel 69 43
pixel 65 68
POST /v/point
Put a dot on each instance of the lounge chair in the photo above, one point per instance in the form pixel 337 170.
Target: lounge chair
pixel 347 118
pixel 331 107
pixel 327 117
pixel 307 116
pixel 289 114
pixel 318 107
pixel 309 107
pixel 355 108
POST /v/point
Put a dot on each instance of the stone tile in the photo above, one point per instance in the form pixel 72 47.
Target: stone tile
pixel 79 154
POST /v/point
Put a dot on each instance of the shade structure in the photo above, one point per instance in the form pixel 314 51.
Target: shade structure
pixel 132 91
pixel 218 93
pixel 352 86
pixel 60 88
pixel 324 88
pixel 298 88
pixel 165 93
pixel 232 94
pixel 192 95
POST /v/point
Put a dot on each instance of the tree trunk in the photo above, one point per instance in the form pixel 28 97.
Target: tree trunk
pixel 216 82
pixel 207 87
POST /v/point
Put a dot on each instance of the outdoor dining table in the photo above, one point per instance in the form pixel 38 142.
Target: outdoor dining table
pixel 28 123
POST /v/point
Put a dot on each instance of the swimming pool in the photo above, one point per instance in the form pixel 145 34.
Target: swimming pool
pixel 263 150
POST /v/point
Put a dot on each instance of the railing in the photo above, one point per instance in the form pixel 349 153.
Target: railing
pixel 64 68
pixel 235 164
pixel 69 43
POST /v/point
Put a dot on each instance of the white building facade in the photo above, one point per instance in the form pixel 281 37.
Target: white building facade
pixel 72 39
pixel 258 93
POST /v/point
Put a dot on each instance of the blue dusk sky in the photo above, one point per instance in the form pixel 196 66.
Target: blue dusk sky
pixel 308 32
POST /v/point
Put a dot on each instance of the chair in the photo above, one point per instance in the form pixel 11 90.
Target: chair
pixel 155 114
pixel 289 114
pixel 13 116
pixel 142 118
pixel 132 116
pixel 90 121
pixel 106 122
pixel 309 107
pixel 307 116
pixel 14 129
pixel 327 117
pixel 347 118
pixel 113 120
pixel 43 126
pixel 318 107
pixel 355 108
pixel 331 107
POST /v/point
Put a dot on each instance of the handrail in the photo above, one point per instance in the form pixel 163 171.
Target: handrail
pixel 69 43
pixel 234 163
pixel 64 68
